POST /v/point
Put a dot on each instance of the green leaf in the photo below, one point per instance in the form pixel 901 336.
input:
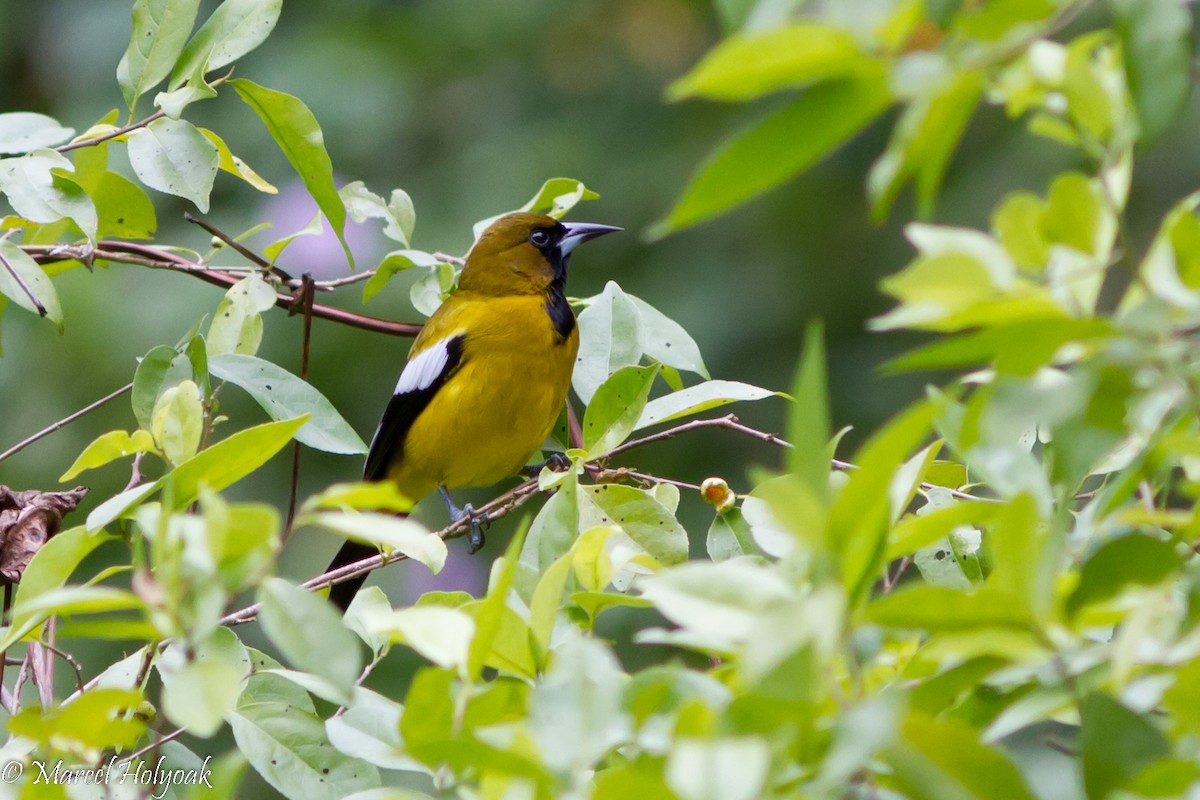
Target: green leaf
pixel 808 423
pixel 233 30
pixel 124 209
pixel 948 753
pixel 1132 560
pixel 197 694
pixel 1018 546
pixel 117 505
pixel 729 536
pixel 665 340
pixel 778 148
pixel 309 632
pixel 698 398
pixel 1156 43
pixel 585 677
pixel 608 340
pixel 720 600
pixel 392 263
pixel 230 460
pixel 148 381
pixel 922 143
pixel 384 530
pixel 718 769
pixel 298 135
pixel 867 505
pixel 230 163
pixel 489 614
pixel 747 65
pixel 40 188
pixel 287 745
pixel 237 327
pixel 109 447
pixel 614 410
pixel 20 277
pixel 53 563
pixel 173 156
pixel 556 197
pixel 1115 743
pixel 639 515
pixel 160 29
pixel 937 608
pixel 284 396
pixel 442 635
pixel 95 721
pixel 363 204
pixel 361 496
pixel 370 729
pixel 23 131
pixel 177 422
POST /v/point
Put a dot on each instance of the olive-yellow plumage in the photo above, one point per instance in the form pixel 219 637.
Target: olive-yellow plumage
pixel 488 375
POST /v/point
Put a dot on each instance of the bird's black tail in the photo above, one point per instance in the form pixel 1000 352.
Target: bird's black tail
pixel 341 594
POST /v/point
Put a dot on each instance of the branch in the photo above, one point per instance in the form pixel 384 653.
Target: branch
pixel 160 258
pixel 246 252
pixel 63 422
pixel 141 123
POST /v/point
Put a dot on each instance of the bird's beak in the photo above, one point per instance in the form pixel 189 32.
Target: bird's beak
pixel 580 232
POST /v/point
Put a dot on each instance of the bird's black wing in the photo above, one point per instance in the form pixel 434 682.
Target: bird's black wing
pixel 423 376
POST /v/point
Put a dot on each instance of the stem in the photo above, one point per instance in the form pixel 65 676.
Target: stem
pixel 16 276
pixel 62 148
pixel 305 297
pixel 238 246
pixel 63 422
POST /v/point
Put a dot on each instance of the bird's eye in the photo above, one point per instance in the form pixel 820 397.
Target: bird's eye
pixel 539 238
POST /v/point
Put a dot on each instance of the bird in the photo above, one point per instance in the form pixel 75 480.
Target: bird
pixel 485 378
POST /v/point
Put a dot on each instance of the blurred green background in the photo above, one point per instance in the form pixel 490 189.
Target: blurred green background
pixel 468 107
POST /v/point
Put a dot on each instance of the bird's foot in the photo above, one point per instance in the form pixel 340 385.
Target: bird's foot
pixel 476 520
pixel 556 461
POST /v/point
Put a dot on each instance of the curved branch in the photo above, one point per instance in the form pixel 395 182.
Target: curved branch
pixel 159 258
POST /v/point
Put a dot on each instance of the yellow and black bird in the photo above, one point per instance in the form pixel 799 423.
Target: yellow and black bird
pixel 486 377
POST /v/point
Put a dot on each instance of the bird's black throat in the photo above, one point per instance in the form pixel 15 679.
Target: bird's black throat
pixel 561 315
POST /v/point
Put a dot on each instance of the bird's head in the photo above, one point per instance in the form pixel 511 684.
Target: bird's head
pixel 525 253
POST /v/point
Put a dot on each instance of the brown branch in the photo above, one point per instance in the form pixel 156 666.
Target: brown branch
pixel 494 509
pixel 63 422
pixel 249 254
pixel 62 148
pixel 159 258
pixel 305 298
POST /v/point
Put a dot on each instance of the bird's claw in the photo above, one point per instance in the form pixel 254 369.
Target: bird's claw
pixel 477 521
pixel 555 461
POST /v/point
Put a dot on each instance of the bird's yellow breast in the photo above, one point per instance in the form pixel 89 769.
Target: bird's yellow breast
pixel 498 408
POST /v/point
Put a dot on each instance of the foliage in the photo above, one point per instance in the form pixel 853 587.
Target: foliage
pixel 1045 492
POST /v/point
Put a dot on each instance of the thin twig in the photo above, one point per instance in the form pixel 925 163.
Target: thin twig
pixel 449 259
pixel 252 256
pixel 305 297
pixel 334 283
pixel 62 148
pixel 19 684
pixel 71 660
pixel 63 422
pixel 16 276
pixel 170 737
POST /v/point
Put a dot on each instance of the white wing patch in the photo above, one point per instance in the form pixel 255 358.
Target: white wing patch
pixel 425 368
